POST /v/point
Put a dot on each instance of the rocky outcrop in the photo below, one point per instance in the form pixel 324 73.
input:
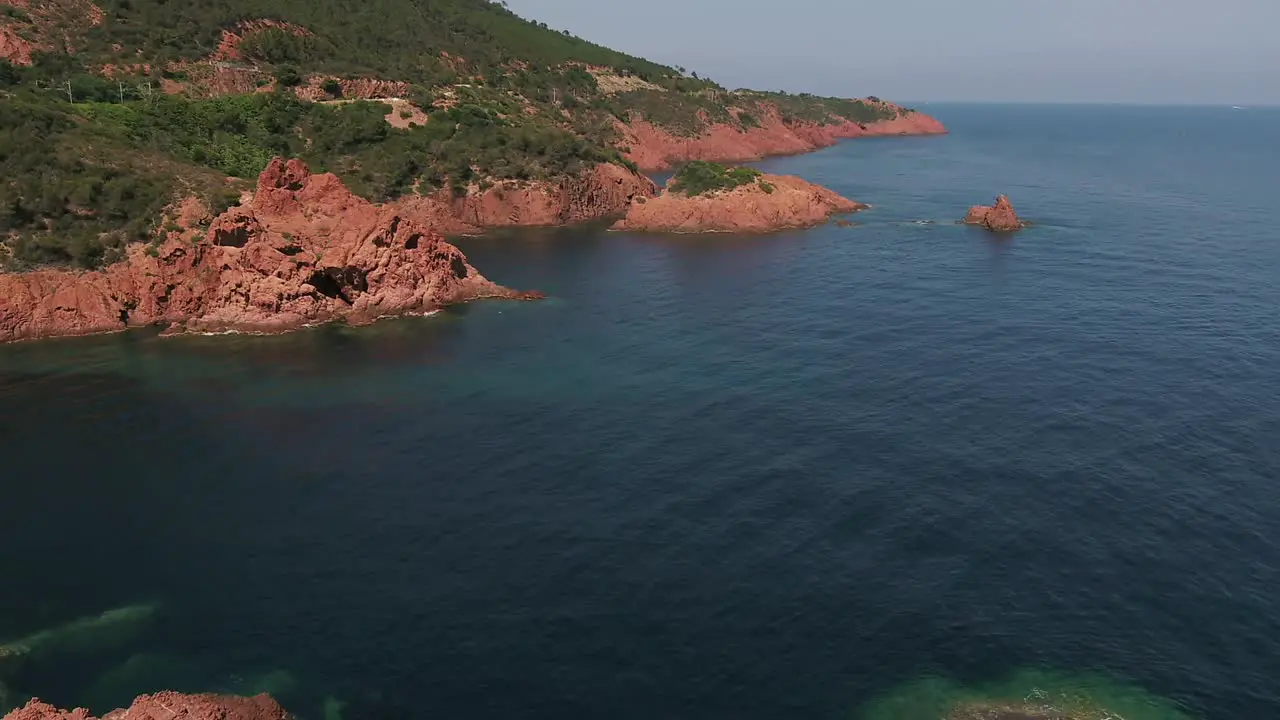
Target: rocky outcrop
pixel 31 26
pixel 999 217
pixel 653 148
pixel 773 202
pixel 166 706
pixel 14 48
pixel 305 250
pixel 352 88
pixel 603 191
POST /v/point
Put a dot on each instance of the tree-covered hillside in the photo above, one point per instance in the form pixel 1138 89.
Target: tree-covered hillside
pixel 108 111
pixel 394 39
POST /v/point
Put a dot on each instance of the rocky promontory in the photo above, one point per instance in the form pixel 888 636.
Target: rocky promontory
pixel 166 706
pixel 998 217
pixel 653 147
pixel 705 197
pixel 303 250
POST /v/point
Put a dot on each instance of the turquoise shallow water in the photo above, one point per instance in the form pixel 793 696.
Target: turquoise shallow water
pixel 710 477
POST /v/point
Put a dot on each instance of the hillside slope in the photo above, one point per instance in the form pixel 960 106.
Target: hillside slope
pixel 112 111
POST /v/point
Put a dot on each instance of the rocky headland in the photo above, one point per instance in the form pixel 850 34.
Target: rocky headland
pixel 166 706
pixel 653 147
pixel 761 203
pixel 303 250
pixel 997 217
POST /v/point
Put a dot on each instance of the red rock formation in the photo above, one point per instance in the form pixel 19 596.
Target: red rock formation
pixel 605 190
pixel 45 25
pixel 790 203
pixel 353 89
pixel 304 251
pixel 999 217
pixel 166 706
pixel 13 48
pixel 653 148
pixel 112 70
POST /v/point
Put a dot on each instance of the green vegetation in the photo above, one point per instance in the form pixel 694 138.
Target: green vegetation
pixel 685 114
pixel 73 194
pixel 356 38
pixel 822 110
pixel 700 177
pixel 89 161
pixel 85 179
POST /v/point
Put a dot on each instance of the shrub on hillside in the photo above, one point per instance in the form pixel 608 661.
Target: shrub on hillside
pixel 701 177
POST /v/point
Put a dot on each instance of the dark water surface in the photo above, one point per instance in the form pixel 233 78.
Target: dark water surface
pixel 727 477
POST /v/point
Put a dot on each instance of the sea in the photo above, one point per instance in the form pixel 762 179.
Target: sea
pixel 847 472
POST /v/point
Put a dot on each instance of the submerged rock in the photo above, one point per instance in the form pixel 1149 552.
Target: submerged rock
pixel 1033 694
pixel 999 217
pixel 9 699
pixel 143 672
pixel 276 683
pixel 332 709
pixel 111 629
pixel 773 202
pixel 989 711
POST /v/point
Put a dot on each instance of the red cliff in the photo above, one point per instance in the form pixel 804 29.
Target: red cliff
pixel 653 148
pixel 166 706
pixel 774 202
pixel 305 250
pixel 605 190
pixel 999 217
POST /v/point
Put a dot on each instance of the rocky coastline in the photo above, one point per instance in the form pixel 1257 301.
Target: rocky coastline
pixel 771 203
pixel 303 250
pixel 653 148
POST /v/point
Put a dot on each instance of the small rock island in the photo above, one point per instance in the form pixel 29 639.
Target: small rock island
pixel 999 217
pixel 706 197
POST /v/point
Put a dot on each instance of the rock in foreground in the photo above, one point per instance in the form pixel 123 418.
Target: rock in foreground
pixel 305 250
pixel 166 706
pixel 999 217
pixel 766 204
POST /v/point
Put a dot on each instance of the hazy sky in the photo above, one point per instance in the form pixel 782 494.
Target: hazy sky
pixel 1147 51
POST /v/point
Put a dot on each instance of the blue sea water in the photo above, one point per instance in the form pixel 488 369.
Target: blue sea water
pixel 711 477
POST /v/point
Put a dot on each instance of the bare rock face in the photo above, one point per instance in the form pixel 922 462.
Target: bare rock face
pixel 166 706
pixel 999 217
pixel 305 250
pixel 605 190
pixel 352 89
pixel 773 202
